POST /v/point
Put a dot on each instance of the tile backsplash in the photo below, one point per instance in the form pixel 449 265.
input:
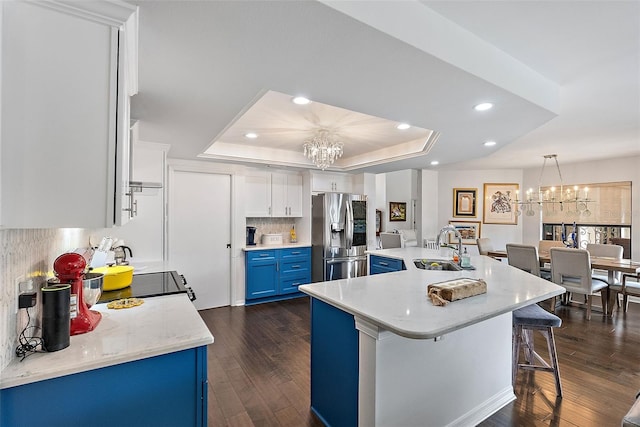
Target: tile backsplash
pixel 272 226
pixel 28 253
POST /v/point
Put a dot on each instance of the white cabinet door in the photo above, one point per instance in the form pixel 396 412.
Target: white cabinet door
pixel 330 183
pixel 59 134
pixel 279 206
pixel 294 195
pixel 258 194
pixel 286 195
pixel 273 194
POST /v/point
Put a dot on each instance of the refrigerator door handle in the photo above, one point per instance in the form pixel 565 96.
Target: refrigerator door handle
pixel 348 226
pixel 343 260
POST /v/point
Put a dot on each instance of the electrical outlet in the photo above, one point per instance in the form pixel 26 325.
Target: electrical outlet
pixel 26 293
pixel 19 281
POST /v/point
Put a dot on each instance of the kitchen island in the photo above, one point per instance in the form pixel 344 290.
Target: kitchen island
pixel 383 355
pixel 144 365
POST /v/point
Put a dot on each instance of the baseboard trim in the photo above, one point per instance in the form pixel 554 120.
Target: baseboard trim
pixel 487 408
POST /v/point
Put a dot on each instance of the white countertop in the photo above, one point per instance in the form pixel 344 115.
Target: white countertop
pixel 398 301
pixel 159 326
pixel 283 246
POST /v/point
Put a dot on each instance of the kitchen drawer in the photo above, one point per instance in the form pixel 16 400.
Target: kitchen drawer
pixel 254 256
pixel 286 254
pixel 296 267
pixel 290 284
pixel 384 264
pixel 376 269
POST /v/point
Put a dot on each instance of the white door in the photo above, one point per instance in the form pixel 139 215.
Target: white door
pixel 199 229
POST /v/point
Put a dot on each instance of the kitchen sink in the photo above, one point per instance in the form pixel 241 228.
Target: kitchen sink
pixel 436 264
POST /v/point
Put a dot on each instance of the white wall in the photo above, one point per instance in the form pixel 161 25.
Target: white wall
pixel 429 190
pixel 610 170
pixel 448 180
pixel 400 186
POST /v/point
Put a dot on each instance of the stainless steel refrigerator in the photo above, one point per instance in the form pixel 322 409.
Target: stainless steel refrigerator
pixel 338 236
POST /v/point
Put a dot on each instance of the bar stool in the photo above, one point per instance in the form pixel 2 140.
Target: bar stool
pixel 526 320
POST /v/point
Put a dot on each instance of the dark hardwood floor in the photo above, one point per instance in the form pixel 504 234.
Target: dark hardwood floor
pixel 259 369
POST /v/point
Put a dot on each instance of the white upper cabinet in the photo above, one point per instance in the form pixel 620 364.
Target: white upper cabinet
pixel 273 194
pixel 322 182
pixel 286 195
pixel 258 194
pixel 67 74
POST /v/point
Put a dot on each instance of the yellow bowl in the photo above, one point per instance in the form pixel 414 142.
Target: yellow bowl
pixel 115 277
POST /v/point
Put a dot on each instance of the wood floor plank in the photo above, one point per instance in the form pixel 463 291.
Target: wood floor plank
pixel 259 369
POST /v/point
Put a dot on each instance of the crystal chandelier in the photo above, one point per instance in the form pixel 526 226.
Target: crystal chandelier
pixel 550 198
pixel 323 149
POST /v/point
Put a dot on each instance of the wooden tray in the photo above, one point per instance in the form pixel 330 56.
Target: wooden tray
pixel 442 293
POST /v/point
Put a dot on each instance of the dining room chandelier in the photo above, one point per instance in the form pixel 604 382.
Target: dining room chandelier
pixel 323 149
pixel 553 198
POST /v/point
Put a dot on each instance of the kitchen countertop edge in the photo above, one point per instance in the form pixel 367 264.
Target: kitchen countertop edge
pixel 283 246
pixel 178 326
pixel 398 302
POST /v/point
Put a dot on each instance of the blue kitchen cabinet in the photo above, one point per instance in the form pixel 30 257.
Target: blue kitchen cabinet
pixel 165 390
pixel 262 274
pixel 275 274
pixel 378 264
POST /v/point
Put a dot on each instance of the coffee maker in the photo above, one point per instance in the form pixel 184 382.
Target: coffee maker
pixel 251 236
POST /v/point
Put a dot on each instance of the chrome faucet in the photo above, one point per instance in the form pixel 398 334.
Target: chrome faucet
pixel 448 229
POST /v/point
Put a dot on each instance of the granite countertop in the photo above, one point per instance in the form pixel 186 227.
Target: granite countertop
pixel 283 246
pixel 161 325
pixel 398 301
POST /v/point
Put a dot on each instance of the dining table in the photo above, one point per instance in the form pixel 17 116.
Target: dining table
pixel 611 265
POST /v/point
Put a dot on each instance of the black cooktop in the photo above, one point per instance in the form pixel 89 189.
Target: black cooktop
pixel 151 285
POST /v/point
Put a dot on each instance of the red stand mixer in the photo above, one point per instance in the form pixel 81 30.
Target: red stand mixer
pixel 69 268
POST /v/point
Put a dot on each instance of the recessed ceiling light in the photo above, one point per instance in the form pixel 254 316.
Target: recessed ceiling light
pixel 483 107
pixel 403 126
pixel 489 143
pixel 251 135
pixel 435 162
pixel 300 100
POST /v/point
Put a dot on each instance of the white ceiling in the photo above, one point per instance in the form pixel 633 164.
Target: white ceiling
pixel 564 76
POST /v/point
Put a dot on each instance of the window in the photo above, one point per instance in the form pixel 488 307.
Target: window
pixel 606 216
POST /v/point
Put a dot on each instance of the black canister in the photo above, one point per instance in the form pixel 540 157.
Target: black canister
pixel 56 319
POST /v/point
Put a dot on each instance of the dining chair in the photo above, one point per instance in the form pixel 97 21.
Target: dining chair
pixel 625 243
pixel 605 251
pixel 524 257
pixel 627 284
pixel 532 318
pixel 390 240
pixel 431 243
pixel 571 269
pixel 630 287
pixel 408 238
pixel 484 245
pixel 543 248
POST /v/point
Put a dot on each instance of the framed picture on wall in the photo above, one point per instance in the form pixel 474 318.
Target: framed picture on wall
pixel 498 204
pixel 397 211
pixel 469 230
pixel 464 202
